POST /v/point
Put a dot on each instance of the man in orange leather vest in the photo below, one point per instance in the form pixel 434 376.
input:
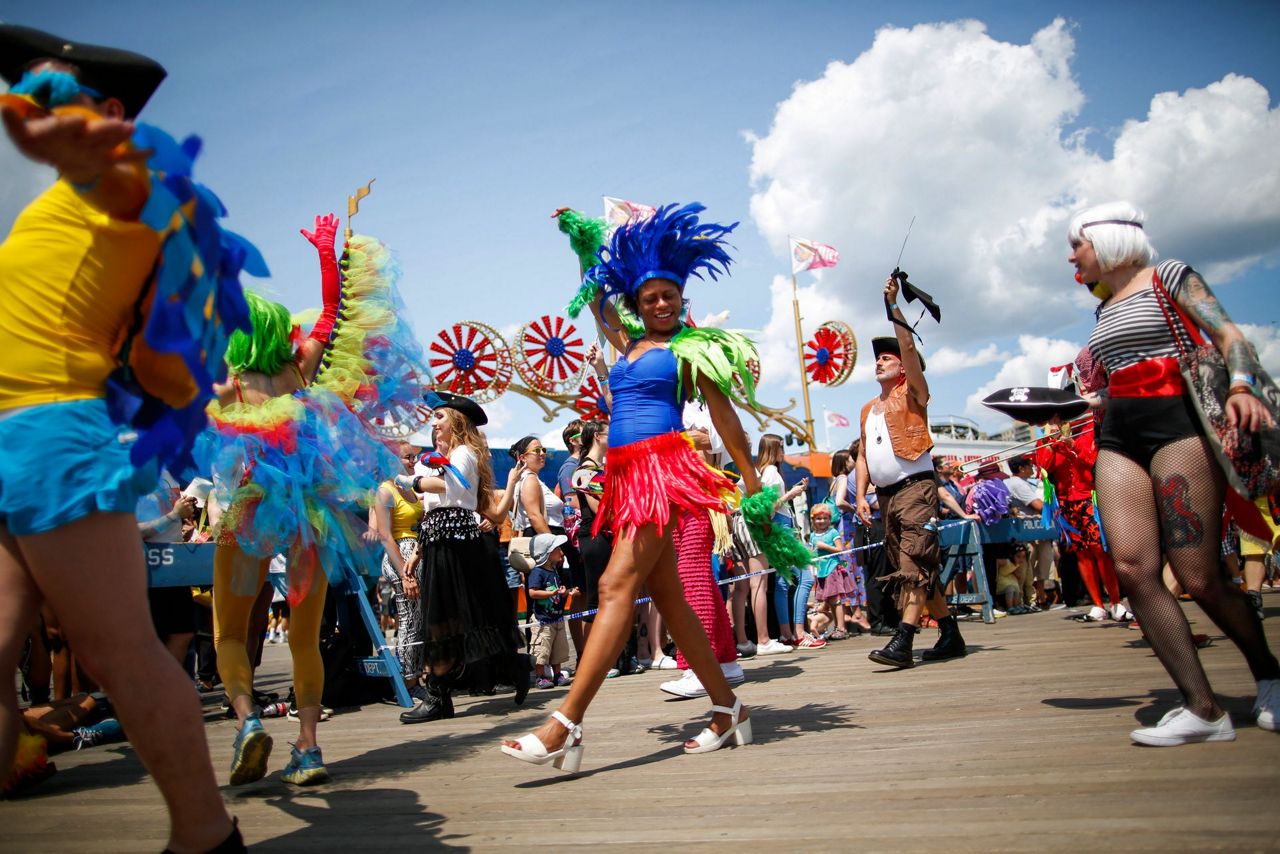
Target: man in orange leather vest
pixel 894 457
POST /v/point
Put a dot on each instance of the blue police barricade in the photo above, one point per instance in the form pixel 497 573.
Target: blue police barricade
pixel 191 565
pixel 966 541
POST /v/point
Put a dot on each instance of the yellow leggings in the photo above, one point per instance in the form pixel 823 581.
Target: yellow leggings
pixel 231 631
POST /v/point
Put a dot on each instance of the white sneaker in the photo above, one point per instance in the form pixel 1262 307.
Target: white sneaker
pixel 1120 613
pixel 664 662
pixel 773 647
pixel 1181 726
pixel 1267 706
pixel 687 686
pixel 1095 615
pixel 733 673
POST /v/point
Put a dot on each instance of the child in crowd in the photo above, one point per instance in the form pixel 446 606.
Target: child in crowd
pixel 547 594
pixel 832 582
pixel 1009 577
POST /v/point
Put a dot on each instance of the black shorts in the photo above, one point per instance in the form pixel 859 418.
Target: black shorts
pixel 1137 427
pixel 172 610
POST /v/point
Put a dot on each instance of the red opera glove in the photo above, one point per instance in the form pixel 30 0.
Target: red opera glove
pixel 330 283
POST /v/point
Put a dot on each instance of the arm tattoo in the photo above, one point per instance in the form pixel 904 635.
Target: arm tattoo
pixel 1202 305
pixel 1204 308
pixel 1240 358
pixel 1181 526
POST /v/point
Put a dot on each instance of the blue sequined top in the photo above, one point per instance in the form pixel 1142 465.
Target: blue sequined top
pixel 644 398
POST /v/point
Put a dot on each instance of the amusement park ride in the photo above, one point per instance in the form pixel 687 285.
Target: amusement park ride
pixel 547 365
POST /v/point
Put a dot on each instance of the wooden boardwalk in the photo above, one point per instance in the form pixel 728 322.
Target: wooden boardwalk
pixel 1022 746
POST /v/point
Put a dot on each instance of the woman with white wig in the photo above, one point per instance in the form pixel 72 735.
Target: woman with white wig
pixel 1160 487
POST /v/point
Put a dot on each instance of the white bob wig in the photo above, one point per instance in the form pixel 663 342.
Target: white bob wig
pixel 1116 232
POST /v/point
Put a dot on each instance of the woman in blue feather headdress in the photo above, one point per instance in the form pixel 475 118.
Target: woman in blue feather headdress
pixel 654 474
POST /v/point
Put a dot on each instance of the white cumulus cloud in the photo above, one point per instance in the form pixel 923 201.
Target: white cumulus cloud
pixel 1036 354
pixel 1266 339
pixel 976 138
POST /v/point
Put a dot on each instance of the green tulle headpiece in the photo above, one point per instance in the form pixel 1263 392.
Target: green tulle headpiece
pixel 268 348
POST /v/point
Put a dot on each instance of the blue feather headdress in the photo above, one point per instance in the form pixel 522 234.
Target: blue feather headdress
pixel 672 244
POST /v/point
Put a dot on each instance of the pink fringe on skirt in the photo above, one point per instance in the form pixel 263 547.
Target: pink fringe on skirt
pixel 643 479
pixel 693 540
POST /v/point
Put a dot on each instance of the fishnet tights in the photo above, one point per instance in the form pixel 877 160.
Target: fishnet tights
pixel 1175 510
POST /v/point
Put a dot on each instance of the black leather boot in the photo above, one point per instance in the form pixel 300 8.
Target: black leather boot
pixel 437 705
pixel 521 669
pixel 949 645
pixel 898 651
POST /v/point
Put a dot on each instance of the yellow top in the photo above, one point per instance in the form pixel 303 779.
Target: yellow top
pixel 405 514
pixel 69 278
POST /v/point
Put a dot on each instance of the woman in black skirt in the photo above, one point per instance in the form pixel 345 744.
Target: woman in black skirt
pixel 467 613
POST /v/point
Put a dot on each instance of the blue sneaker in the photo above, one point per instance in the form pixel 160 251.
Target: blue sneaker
pixel 305 768
pixel 252 747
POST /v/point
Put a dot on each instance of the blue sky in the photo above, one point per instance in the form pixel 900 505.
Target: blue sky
pixel 478 120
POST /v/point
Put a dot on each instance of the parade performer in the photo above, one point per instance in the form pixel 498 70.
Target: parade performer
pixel 294 456
pixel 1160 488
pixel 653 473
pixel 894 455
pixel 693 535
pixel 468 616
pixel 1068 462
pixel 119 290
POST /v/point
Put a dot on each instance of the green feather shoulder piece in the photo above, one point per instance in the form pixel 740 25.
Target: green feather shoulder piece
pixel 722 355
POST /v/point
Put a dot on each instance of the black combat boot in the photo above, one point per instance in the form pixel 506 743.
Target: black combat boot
pixel 437 705
pixel 898 651
pixel 949 645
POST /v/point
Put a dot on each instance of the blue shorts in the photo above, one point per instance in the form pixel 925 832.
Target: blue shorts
pixel 60 462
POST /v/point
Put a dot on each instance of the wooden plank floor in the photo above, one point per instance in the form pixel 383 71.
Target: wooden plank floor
pixel 1021 746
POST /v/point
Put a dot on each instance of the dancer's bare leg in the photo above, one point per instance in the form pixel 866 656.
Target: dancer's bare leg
pixel 629 567
pixel 93 575
pixel 690 636
pixel 19 611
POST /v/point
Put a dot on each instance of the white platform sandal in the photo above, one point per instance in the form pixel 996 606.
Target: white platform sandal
pixel 568 758
pixel 739 731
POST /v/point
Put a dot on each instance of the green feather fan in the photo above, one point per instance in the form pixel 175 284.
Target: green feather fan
pixel 780 546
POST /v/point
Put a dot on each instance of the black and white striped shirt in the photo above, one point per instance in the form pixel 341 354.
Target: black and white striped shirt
pixel 1134 329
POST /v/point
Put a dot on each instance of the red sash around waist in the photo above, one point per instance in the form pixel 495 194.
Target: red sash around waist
pixel 1150 378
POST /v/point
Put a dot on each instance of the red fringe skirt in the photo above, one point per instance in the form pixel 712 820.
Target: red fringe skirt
pixel 643 479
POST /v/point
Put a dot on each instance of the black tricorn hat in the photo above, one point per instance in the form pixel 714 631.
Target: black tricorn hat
pixel 122 74
pixel 889 344
pixel 465 405
pixel 1036 404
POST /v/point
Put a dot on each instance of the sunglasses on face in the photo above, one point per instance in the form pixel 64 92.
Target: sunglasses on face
pixel 542 452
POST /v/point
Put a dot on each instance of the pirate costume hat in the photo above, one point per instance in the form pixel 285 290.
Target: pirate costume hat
pixel 889 344
pixel 1036 404
pixel 109 72
pixel 465 405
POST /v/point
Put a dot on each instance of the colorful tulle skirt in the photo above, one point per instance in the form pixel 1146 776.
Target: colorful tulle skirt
pixel 642 480
pixel 297 482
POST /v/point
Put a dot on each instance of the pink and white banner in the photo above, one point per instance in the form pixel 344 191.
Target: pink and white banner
pixel 810 255
pixel 835 419
pixel 620 212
